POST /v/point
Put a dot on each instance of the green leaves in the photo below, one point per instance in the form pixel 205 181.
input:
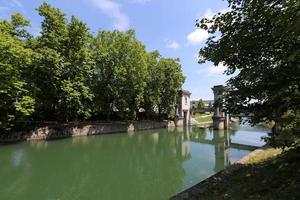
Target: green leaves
pixel 201 104
pixel 67 74
pixel 25 105
pixel 63 70
pixel 171 84
pixel 16 101
pixel 130 78
pixel 74 100
pixel 260 43
pixel 120 72
pixel 163 81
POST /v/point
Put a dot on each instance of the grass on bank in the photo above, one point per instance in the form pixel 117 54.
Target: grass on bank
pixel 270 174
pixel 203 117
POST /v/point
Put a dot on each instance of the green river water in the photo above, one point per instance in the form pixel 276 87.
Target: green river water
pixel 154 164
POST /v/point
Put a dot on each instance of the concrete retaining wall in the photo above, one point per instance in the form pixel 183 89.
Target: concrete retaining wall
pixel 55 130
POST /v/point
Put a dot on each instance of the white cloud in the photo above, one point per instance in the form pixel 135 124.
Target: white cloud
pixel 172 44
pixel 212 70
pixel 140 1
pixel 7 6
pixel 197 37
pixel 208 14
pixel 17 3
pixel 113 10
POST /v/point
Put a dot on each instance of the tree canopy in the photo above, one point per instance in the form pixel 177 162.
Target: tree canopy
pixel 120 71
pixel 16 98
pixel 66 73
pixel 201 104
pixel 259 41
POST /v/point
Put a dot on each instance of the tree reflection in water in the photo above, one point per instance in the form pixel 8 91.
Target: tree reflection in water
pixel 154 164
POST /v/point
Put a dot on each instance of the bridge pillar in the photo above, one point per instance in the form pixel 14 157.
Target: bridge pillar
pixel 227 121
pixel 221 118
pixel 218 122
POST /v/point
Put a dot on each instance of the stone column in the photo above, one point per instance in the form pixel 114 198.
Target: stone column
pixel 218 122
pixel 227 121
pixel 218 118
pixel 190 116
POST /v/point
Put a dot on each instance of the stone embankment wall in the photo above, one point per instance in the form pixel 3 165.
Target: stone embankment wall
pixel 57 130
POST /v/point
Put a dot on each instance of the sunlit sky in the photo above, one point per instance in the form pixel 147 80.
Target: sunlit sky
pixel 164 25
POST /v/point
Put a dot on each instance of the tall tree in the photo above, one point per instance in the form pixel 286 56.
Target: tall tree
pixel 154 80
pixel 49 66
pixel 164 80
pixel 67 74
pixel 201 104
pixel 75 95
pixel 16 100
pixel 63 67
pixel 120 72
pixel 260 41
pixel 172 82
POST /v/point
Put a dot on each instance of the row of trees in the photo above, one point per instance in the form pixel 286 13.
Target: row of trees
pixel 260 43
pixel 66 73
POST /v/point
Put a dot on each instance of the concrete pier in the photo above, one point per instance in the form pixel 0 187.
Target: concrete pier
pixel 221 119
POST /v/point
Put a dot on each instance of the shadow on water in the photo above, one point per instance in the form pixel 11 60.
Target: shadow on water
pixel 154 164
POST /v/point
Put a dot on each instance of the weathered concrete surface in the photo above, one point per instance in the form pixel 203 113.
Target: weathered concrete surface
pixel 58 130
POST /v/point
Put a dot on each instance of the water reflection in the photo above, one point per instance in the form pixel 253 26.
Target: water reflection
pixel 221 140
pixel 152 164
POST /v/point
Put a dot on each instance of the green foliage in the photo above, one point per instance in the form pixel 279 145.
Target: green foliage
pixel 172 81
pixel 67 74
pixel 130 78
pixel 260 43
pixel 292 123
pixel 63 69
pixel 290 134
pixel 120 72
pixel 154 79
pixel 164 80
pixel 16 101
pixel 25 105
pixel 201 104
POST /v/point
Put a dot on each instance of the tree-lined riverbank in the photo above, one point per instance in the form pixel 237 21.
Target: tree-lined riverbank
pixel 66 73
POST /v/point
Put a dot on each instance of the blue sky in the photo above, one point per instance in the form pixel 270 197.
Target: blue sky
pixel 164 25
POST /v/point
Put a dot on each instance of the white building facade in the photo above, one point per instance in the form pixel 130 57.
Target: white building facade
pixel 183 112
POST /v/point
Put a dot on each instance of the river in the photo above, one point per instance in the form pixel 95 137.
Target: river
pixel 153 164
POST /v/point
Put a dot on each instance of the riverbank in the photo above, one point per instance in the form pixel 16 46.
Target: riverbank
pixel 54 130
pixel 203 118
pixel 263 174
